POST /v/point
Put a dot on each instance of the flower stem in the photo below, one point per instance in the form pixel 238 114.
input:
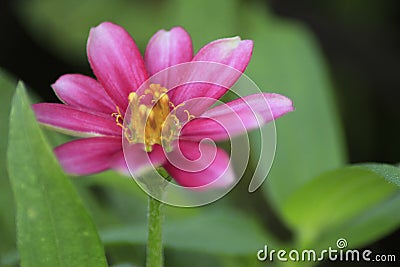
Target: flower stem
pixel 154 239
pixel 155 257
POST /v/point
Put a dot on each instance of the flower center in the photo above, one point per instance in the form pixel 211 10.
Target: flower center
pixel 151 118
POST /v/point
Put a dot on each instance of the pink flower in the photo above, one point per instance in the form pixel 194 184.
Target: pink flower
pixel 95 109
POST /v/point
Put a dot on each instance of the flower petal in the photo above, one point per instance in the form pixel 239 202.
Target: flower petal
pixel 168 48
pixel 240 115
pixel 75 121
pixel 216 172
pixel 232 53
pixel 135 161
pixel 83 92
pixel 116 61
pixel 88 155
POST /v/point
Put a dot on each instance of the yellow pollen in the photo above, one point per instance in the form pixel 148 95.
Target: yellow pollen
pixel 152 122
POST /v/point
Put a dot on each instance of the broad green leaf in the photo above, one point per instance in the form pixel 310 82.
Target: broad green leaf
pixel 53 228
pixel 287 60
pixel 390 173
pixel 341 201
pixel 216 232
pixel 7 224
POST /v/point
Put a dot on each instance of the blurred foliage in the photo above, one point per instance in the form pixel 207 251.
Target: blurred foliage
pixel 311 191
pixel 67 34
pixel 222 239
pixel 286 60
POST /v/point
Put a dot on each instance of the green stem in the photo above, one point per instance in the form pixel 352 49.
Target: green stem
pixel 155 257
pixel 154 239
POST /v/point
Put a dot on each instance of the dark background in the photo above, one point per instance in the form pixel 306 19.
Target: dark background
pixel 361 43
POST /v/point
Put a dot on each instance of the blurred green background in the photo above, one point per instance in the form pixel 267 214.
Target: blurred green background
pixel 339 62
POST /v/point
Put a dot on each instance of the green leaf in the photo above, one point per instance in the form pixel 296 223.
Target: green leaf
pixel 370 225
pixel 389 172
pixel 53 227
pixel 216 232
pixel 7 224
pixel 346 201
pixel 287 60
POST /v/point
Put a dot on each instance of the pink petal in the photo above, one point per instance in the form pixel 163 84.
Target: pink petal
pixel 88 155
pixel 75 121
pixel 83 92
pixel 119 164
pixel 229 51
pixel 116 61
pixel 168 48
pixel 232 53
pixel 214 171
pixel 240 115
pixel 135 161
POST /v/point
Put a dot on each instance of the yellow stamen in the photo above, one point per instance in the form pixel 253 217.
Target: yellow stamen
pixel 154 123
pixel 119 119
pixel 189 116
